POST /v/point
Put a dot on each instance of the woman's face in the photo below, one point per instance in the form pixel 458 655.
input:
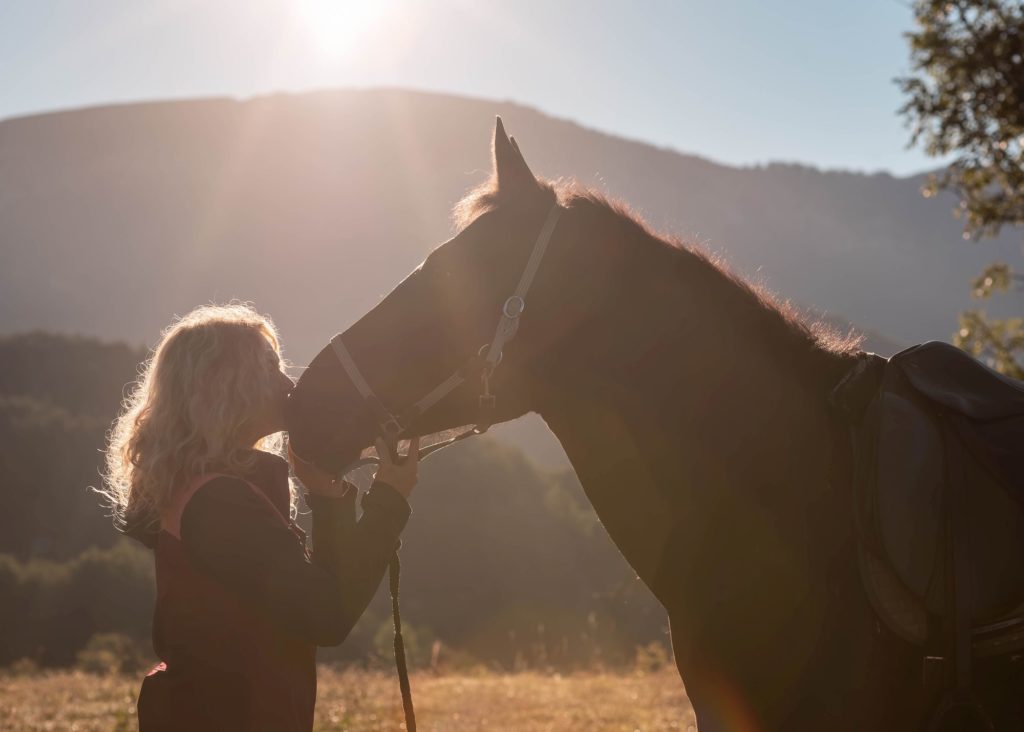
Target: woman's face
pixel 271 418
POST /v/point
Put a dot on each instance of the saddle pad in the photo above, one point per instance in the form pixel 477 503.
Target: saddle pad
pixel 910 519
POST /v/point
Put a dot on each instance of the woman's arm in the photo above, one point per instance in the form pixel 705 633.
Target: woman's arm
pixel 232 534
pixel 357 550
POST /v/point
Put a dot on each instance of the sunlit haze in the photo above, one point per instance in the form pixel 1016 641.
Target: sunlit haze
pixel 742 82
pixel 339 29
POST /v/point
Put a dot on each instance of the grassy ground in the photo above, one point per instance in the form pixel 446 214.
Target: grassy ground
pixel 358 701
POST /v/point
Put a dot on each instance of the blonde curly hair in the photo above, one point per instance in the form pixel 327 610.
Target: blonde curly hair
pixel 189 410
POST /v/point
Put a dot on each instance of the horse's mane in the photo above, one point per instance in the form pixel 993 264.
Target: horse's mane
pixel 764 307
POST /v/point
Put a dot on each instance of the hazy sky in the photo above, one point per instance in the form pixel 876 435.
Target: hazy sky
pixel 741 82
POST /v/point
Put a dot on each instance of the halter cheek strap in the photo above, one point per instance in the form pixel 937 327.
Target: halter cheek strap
pixel 514 305
pixel 393 425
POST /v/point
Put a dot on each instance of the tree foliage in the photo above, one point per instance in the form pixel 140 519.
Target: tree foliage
pixel 999 341
pixel 58 396
pixel 966 99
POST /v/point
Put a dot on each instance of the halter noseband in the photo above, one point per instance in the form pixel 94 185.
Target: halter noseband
pixel 485 361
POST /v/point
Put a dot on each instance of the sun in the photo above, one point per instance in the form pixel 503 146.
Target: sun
pixel 337 27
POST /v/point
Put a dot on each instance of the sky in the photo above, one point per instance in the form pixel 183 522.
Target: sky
pixel 742 82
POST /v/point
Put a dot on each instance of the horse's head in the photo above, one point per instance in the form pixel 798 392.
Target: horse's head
pixel 444 314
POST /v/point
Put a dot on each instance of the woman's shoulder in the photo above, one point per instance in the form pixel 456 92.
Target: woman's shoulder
pixel 227 492
pixel 262 481
pixel 210 488
pixel 223 488
pixel 226 504
pixel 257 494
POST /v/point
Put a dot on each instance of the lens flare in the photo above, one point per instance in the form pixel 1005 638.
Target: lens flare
pixel 338 27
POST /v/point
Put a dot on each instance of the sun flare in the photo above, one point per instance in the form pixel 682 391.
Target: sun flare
pixel 337 27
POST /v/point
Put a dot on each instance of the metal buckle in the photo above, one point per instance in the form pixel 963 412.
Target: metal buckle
pixel 486 398
pixel 483 355
pixel 392 426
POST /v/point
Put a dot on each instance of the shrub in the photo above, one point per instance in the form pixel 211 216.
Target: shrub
pixel 651 657
pixel 23 667
pixel 50 610
pixel 111 653
pixel 418 643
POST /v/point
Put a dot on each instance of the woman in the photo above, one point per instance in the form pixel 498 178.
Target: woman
pixel 194 471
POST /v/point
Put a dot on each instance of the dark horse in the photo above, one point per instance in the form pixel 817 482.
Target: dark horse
pixel 693 409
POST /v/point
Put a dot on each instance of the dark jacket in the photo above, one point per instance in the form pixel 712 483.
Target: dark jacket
pixel 241 604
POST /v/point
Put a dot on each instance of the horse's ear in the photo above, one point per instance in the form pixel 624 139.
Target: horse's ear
pixel 509 166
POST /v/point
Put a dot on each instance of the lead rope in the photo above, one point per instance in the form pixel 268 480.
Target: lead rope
pixel 394 579
pixel 394 574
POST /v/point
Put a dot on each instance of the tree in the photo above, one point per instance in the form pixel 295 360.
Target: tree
pixel 966 98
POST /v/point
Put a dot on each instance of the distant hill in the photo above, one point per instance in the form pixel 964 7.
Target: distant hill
pixel 314 205
pixel 78 374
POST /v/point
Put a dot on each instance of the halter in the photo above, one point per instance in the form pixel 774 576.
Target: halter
pixel 485 361
pixel 392 425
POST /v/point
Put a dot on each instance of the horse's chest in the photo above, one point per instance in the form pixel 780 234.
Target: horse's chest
pixel 635 513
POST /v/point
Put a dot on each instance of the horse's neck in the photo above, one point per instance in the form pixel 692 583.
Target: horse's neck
pixel 618 477
pixel 665 441
pixel 651 483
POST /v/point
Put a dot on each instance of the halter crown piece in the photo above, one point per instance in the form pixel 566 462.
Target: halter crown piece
pixel 392 425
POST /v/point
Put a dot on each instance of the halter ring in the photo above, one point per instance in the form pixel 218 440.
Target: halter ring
pixel 514 307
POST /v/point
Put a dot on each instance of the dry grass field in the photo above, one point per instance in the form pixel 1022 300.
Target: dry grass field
pixel 357 701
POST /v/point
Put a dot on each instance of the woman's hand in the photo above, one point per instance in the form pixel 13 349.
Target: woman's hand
pixel 316 481
pixel 400 475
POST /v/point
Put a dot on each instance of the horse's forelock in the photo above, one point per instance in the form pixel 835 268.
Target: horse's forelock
pixel 489 195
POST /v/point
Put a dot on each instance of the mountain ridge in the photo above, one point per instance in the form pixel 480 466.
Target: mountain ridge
pixel 314 205
pixel 622 137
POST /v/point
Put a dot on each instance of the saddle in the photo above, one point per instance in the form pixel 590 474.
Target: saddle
pixel 938 480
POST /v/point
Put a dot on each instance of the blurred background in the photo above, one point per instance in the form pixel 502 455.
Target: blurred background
pixel 305 156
